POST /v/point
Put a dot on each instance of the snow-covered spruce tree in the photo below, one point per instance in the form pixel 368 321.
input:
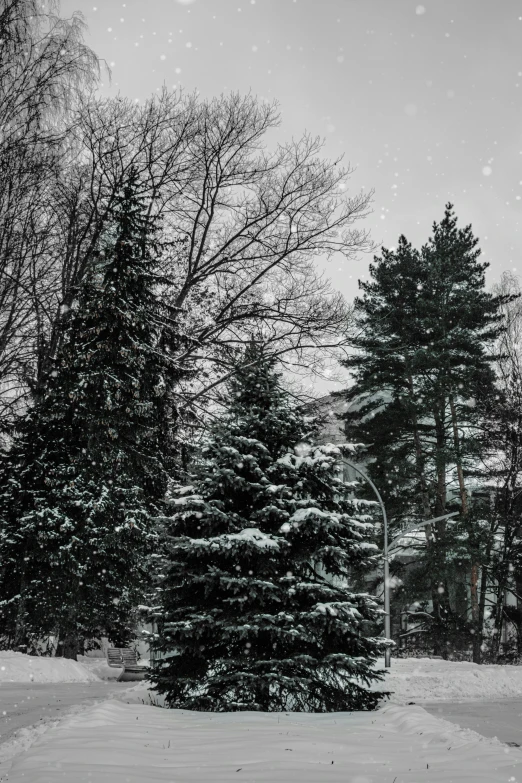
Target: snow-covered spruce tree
pixel 85 475
pixel 257 611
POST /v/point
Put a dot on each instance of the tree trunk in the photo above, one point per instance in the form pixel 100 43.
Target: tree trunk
pixel 499 620
pixel 439 596
pixel 71 647
pixel 484 579
pixel 262 691
pixel 477 617
pixel 20 631
pixel 55 644
pixel 420 465
pixel 456 443
pixel 439 646
pixel 477 639
pixel 475 613
pixel 440 499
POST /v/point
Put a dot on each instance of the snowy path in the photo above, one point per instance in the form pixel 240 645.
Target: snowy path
pixel 501 718
pixel 26 705
pixel 74 732
pixel 114 742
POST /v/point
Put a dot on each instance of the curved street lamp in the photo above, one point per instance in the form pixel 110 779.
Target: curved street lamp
pixel 303 448
pixel 387 617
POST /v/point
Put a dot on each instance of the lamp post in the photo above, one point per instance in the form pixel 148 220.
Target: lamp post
pixel 387 618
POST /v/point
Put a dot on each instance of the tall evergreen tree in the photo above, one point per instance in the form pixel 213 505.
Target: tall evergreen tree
pixel 424 353
pixel 257 608
pixel 88 469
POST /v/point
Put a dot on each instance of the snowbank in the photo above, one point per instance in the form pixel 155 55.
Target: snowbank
pixel 18 667
pixel 410 679
pixel 417 680
pixel 100 667
pixel 431 679
pixel 126 743
pixel 141 693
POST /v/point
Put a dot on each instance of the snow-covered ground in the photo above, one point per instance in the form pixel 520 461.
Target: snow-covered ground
pixel 100 668
pixel 129 743
pixel 23 738
pixel 125 740
pixel 17 667
pixel 430 679
pixel 419 680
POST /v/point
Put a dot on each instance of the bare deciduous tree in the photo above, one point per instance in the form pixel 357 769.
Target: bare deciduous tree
pixel 502 472
pixel 241 226
pixel 44 66
pixel 246 224
pixel 253 222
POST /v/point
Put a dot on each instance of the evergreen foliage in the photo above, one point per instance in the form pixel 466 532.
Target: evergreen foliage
pixel 257 609
pixel 88 468
pixel 427 327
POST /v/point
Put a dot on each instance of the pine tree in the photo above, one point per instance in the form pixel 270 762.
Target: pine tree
pixel 427 327
pixel 88 469
pixel 388 410
pixel 257 608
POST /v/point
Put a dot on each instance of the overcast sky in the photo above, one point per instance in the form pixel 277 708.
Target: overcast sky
pixel 424 100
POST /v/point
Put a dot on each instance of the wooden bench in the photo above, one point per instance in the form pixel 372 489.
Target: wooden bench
pixel 127 658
